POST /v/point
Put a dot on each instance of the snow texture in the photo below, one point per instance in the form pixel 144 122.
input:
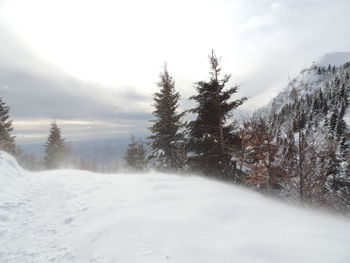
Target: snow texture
pixel 77 216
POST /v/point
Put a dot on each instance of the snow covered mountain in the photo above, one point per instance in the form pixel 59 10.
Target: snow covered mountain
pixel 310 80
pixel 309 123
pixel 76 216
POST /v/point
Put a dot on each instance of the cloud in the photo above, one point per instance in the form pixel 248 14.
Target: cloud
pixel 37 130
pixel 261 43
pixel 257 23
pixel 35 96
pixel 38 93
pixel 35 101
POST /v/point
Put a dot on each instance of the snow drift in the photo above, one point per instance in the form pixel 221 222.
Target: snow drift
pixel 76 216
pixel 10 174
pixel 9 166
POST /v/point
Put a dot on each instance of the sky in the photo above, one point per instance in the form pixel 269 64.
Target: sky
pixel 93 65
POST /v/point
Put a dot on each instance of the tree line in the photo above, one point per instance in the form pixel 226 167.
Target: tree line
pixel 282 154
pixel 204 143
pixel 299 153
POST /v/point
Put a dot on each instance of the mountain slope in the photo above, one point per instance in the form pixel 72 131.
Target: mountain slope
pixel 310 80
pixel 309 123
pixel 77 216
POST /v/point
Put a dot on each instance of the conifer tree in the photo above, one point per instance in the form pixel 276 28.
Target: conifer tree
pixel 167 141
pixel 211 137
pixel 7 141
pixel 340 128
pixel 333 121
pixel 55 149
pixel 135 155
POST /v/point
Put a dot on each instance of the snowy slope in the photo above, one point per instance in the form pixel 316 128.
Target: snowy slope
pixel 307 82
pixel 76 216
pixel 10 175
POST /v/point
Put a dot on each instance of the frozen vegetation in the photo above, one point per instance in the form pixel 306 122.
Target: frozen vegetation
pixel 77 216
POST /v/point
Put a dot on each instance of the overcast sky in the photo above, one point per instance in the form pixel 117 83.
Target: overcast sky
pixel 92 65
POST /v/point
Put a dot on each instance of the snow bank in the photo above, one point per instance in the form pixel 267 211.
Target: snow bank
pixel 10 173
pixel 75 216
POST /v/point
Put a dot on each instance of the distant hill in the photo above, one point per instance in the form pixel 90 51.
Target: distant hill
pixel 100 151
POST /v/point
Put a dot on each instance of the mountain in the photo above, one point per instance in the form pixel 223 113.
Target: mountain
pixel 78 216
pixel 309 80
pixel 309 126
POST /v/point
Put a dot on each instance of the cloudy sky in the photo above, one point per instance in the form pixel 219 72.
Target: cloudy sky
pixel 92 65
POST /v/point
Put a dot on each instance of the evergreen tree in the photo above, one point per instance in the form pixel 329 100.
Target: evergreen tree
pixel 135 155
pixel 337 181
pixel 167 141
pixel 55 149
pixel 7 141
pixel 211 137
pixel 340 128
pixel 333 69
pixel 333 121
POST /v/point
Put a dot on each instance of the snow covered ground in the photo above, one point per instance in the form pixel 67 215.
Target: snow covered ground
pixel 75 216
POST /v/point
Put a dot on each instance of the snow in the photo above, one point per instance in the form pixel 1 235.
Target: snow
pixel 346 118
pixel 334 58
pixel 305 83
pixel 77 216
pixel 10 174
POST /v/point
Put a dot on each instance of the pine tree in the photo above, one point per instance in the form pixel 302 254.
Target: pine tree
pixel 135 155
pixel 333 121
pixel 167 141
pixel 333 69
pixel 55 148
pixel 340 128
pixel 7 141
pixel 211 137
pixel 337 181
